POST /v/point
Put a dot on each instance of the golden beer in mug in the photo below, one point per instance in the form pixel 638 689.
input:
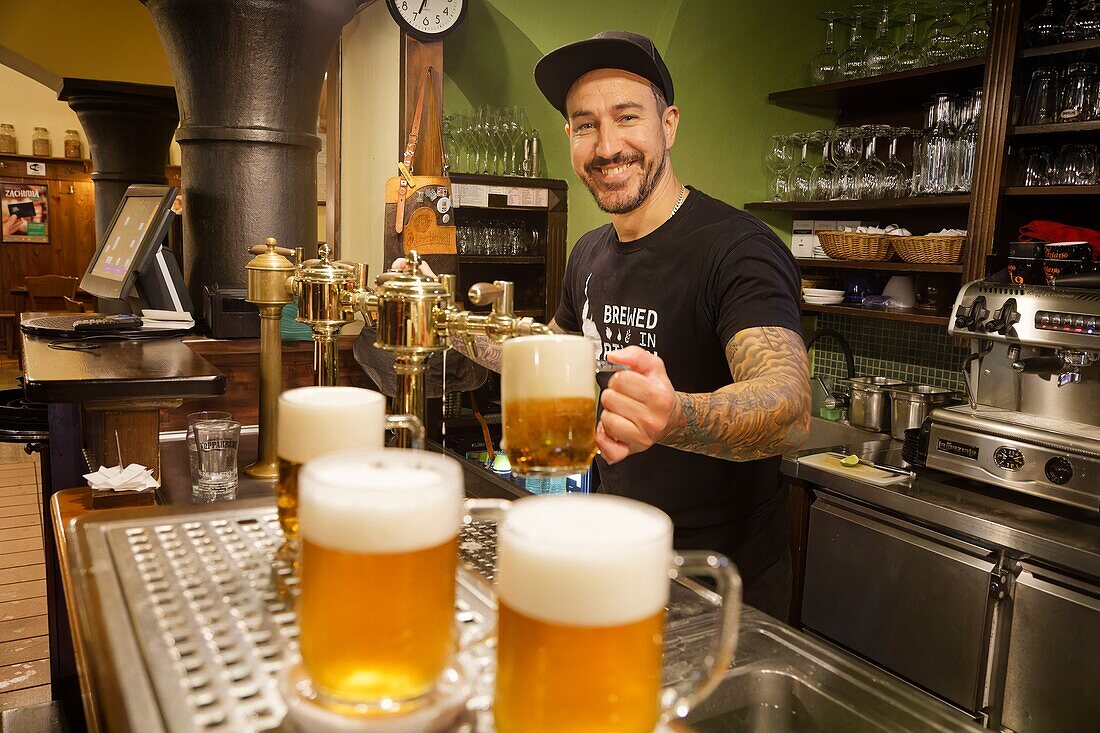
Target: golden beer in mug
pixel 379 535
pixel 314 421
pixel 583 582
pixel 548 393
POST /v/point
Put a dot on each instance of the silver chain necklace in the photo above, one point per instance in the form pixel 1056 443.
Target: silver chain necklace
pixel 679 202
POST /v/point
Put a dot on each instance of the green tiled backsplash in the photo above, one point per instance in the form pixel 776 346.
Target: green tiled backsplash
pixel 914 352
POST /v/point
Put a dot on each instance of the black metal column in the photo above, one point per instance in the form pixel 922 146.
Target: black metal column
pixel 248 77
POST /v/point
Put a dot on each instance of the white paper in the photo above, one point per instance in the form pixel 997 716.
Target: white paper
pixel 135 477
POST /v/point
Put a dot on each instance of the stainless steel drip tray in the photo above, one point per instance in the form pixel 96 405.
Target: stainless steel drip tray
pixel 1021 425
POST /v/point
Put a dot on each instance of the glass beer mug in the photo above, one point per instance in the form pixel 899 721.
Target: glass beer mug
pixel 583 582
pixel 314 421
pixel 548 395
pixel 379 535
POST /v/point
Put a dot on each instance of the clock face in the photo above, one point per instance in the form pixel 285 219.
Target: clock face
pixel 428 19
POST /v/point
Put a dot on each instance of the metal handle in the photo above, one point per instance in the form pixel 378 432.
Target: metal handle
pixel 259 249
pixel 412 424
pixel 485 293
pixel 678 700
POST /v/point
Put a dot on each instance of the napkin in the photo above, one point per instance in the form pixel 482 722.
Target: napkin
pixel 897 231
pixel 948 233
pixel 134 477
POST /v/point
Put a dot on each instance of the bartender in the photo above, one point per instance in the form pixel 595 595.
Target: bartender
pixel 699 300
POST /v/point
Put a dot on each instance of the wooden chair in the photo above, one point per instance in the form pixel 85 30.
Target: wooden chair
pixel 74 306
pixel 50 292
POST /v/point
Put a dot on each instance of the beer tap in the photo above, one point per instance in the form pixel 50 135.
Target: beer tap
pixel 267 273
pixel 416 316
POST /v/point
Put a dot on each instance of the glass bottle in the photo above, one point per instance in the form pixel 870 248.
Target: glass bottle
pixel 7 140
pixel 40 143
pixel 73 147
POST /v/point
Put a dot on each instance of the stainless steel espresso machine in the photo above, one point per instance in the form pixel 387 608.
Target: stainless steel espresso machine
pixel 1032 422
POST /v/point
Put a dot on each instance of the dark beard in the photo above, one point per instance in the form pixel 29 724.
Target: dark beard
pixel 649 182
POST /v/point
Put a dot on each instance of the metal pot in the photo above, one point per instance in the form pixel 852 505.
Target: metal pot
pixel 912 403
pixel 869 407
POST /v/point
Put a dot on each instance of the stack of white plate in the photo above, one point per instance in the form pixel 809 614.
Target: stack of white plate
pixel 819 296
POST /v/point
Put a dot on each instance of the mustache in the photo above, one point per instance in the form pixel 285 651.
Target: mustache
pixel 617 159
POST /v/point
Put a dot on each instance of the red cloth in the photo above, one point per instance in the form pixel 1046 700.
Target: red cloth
pixel 1052 231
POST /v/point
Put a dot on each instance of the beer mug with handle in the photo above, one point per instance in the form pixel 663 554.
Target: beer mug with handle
pixel 582 583
pixel 379 536
pixel 314 421
pixel 548 396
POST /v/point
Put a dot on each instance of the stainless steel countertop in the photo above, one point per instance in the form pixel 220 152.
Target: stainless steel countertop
pixel 1047 532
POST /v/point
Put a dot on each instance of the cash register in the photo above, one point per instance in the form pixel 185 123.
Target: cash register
pixel 133 270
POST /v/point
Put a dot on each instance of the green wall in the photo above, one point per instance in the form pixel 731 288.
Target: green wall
pixel 724 55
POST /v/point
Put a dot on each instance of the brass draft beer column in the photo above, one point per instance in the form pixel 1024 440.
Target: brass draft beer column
pixel 267 277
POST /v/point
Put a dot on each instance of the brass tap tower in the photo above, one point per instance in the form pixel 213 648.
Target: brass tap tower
pixel 267 278
pixel 416 316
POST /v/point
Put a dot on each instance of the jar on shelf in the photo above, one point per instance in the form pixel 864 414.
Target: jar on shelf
pixel 73 147
pixel 7 140
pixel 40 142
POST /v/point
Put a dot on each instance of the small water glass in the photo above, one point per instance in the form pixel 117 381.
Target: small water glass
pixel 192 448
pixel 217 442
pixel 1076 165
pixel 1042 103
pixel 1038 167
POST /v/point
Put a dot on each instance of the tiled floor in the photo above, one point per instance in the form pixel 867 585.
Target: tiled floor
pixel 24 645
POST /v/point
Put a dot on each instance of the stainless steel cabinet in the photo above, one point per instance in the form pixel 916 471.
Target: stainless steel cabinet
pixel 906 598
pixel 1052 681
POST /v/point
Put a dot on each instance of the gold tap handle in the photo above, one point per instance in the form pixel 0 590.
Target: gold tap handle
pixel 485 293
pixel 260 249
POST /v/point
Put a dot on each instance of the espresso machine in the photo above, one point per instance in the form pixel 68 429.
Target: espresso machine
pixel 1032 420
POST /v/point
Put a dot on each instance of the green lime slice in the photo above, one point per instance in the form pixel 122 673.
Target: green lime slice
pixel 852 460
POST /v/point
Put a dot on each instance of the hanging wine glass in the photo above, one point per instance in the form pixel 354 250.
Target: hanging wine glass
pixel 778 160
pixel 974 38
pixel 853 62
pixel 897 179
pixel 910 53
pixel 846 148
pixel 883 50
pixel 1045 28
pixel 823 178
pixel 823 66
pixel 870 173
pixel 940 47
pixel 801 175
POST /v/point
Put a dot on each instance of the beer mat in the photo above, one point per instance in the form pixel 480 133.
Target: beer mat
pixel 860 472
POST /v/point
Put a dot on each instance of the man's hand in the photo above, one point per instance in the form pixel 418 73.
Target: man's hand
pixel 400 262
pixel 640 406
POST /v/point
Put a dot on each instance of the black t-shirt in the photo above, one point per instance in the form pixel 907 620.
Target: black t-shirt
pixel 682 292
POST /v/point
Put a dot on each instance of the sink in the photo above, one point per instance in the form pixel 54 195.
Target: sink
pixel 786 682
pixel 826 433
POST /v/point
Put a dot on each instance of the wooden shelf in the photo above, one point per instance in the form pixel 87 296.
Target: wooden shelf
pixel 1052 191
pixel 1055 129
pixel 529 313
pixel 805 262
pixel 848 310
pixel 1059 48
pixel 501 259
pixel 913 202
pixel 899 85
pixel 46 159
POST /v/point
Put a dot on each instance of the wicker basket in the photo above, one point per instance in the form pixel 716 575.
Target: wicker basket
pixel 856 246
pixel 934 250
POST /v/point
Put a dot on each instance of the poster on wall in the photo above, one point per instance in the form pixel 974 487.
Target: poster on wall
pixel 24 212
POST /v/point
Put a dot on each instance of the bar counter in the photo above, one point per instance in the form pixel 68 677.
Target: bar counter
pixel 780 675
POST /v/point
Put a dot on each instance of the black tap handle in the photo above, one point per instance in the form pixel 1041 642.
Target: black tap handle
pixel 1039 365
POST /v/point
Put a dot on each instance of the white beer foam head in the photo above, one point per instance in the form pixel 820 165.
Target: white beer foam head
pixel 551 366
pixel 584 560
pixel 381 500
pixel 318 420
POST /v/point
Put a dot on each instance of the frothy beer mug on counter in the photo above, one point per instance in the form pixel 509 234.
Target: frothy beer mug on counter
pixel 548 392
pixel 314 421
pixel 379 534
pixel 583 582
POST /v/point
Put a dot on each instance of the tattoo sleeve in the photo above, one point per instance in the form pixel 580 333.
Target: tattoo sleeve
pixel 487 352
pixel 765 412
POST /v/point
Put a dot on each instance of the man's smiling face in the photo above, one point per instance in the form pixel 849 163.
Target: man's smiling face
pixel 618 137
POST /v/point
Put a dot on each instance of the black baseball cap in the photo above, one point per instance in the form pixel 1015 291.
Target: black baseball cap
pixel 556 72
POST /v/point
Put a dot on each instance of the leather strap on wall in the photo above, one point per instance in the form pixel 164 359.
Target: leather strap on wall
pixel 405 167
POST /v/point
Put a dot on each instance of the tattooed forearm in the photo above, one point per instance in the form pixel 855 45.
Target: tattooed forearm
pixel 487 352
pixel 766 410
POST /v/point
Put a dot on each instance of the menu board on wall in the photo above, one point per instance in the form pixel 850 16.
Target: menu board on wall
pixel 24 212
